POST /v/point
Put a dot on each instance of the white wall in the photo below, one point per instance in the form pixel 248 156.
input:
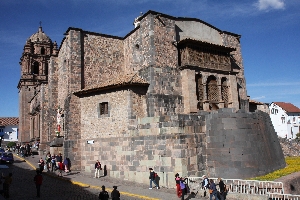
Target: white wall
pixel 284 123
pixel 10 133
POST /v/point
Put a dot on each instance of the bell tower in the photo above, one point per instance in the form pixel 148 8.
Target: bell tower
pixel 34 73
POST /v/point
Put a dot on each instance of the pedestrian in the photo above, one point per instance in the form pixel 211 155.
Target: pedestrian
pixel 41 165
pixel 28 150
pixel 69 164
pixel 37 145
pixel 38 179
pixel 58 159
pixel 213 190
pixel 22 151
pixel 115 194
pixel 60 168
pixel 48 161
pixel 205 185
pixel 66 164
pixel 152 179
pixel 53 163
pixel 182 188
pixel 97 169
pixel 103 194
pixel 222 187
pixel 6 184
pixel 18 149
pixel 178 190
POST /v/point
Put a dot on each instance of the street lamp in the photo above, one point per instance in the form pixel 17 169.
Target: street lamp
pixel 1 138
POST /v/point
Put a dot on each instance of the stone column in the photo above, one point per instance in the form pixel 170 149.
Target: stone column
pixel 189 91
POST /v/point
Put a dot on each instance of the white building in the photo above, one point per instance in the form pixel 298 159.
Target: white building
pixel 9 128
pixel 285 118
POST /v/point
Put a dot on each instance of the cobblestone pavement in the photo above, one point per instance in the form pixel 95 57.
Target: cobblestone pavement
pixel 75 185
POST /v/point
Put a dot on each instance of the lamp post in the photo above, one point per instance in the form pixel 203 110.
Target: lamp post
pixel 1 138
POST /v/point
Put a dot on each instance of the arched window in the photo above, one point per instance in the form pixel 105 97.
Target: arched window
pixel 212 93
pixel 199 91
pixel 35 69
pixel 225 91
pixel 43 51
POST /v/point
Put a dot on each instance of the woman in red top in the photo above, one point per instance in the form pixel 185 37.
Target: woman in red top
pixel 178 190
pixel 60 168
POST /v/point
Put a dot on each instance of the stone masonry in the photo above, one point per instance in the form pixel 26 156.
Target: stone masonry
pixel 170 95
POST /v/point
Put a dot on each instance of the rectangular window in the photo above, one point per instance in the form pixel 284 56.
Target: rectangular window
pixel 103 108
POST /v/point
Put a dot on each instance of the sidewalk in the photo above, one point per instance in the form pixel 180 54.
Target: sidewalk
pixel 126 188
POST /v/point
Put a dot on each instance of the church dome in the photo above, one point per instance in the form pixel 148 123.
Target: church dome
pixel 40 36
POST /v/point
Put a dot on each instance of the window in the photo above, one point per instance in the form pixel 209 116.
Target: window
pixel 283 119
pixel 276 111
pixel 103 108
pixel 35 69
pixel 42 50
pixel 272 111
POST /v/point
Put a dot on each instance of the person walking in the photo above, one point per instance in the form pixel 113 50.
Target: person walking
pixel 178 190
pixel 41 165
pixel 152 179
pixel 205 184
pixel 97 169
pixel 66 164
pixel 182 188
pixel 60 168
pixel 38 179
pixel 6 185
pixel 115 194
pixel 53 163
pixel 222 189
pixel 103 194
pixel 213 190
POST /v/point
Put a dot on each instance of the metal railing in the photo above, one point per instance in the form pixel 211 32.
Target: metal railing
pixel 270 188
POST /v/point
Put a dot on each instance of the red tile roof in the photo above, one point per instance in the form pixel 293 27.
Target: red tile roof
pixel 126 79
pixel 288 107
pixel 6 121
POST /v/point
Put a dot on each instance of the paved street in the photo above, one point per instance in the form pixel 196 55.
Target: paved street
pixel 75 185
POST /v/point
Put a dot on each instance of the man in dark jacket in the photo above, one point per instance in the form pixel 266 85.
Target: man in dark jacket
pixel 103 194
pixel 152 179
pixel 115 194
pixel 38 179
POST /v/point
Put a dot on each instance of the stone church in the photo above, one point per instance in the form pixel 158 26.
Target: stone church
pixel 170 95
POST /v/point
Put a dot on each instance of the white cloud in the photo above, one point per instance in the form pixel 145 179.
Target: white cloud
pixel 270 4
pixel 261 97
pixel 273 84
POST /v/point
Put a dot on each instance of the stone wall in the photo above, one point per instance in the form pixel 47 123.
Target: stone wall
pixel 103 58
pixel 241 145
pixel 168 144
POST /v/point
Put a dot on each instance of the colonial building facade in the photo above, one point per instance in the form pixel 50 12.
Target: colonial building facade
pixel 170 95
pixel 9 128
pixel 285 118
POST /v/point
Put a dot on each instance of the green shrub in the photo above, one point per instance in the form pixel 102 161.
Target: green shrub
pixel 11 144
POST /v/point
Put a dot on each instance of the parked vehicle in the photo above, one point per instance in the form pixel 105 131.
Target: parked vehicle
pixel 6 157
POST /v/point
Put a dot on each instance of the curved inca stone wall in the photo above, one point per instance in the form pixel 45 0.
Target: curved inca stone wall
pixel 241 145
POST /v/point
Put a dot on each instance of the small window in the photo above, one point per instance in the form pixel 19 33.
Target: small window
pixel 43 51
pixel 283 119
pixel 103 108
pixel 276 111
pixel 272 111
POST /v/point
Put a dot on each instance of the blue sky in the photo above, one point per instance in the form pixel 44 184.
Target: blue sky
pixel 270 31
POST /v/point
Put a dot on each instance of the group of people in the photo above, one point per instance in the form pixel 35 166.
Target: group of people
pixel 115 194
pixel 24 150
pixel 55 162
pixel 211 186
pixel 207 185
